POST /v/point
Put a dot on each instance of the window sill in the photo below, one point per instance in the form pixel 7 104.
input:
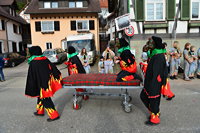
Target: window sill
pixel 193 24
pixel 47 32
pixel 155 25
pixel 83 30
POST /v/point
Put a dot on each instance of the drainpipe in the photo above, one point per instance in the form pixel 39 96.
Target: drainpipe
pixel 7 34
pixel 175 21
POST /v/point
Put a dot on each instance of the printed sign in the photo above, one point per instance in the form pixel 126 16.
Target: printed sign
pixel 122 22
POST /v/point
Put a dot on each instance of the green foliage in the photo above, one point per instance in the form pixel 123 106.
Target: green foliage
pixel 20 5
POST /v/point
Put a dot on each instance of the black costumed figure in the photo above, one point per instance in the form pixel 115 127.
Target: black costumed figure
pixel 75 66
pixel 127 63
pixel 156 77
pixel 43 80
pixel 166 89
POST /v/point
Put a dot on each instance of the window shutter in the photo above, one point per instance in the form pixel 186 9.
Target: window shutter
pixel 3 24
pixel 139 10
pixel 171 9
pixel 57 25
pixel 91 24
pixel 38 26
pixel 185 9
pixel 40 3
pixel 73 25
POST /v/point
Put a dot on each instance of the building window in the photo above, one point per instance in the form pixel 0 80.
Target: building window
pixel 14 46
pixel 50 4
pixel 195 9
pixel 72 4
pixel 77 4
pixel 47 26
pixel 15 28
pixel 155 10
pixel 47 4
pixel 82 25
pixel 54 4
pixel 48 45
pixel 3 24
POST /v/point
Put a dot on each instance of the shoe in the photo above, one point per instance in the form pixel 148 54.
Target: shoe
pixel 175 77
pixel 170 98
pixel 171 77
pixel 198 76
pixel 187 79
pixel 36 114
pixel 50 120
pixel 191 77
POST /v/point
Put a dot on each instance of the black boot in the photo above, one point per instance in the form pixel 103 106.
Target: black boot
pixel 198 76
pixel 175 77
pixel 171 77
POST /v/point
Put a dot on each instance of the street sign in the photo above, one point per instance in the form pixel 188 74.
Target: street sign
pixel 122 22
pixel 129 31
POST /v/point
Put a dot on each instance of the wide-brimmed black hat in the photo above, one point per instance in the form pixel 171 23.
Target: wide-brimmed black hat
pixel 71 50
pixel 158 42
pixel 123 43
pixel 35 50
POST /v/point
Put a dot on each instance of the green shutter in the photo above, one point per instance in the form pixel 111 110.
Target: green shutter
pixel 171 9
pixel 185 9
pixel 139 10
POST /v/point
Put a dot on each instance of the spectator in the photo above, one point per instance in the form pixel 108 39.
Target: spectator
pixel 84 58
pixel 198 69
pixel 144 57
pixel 2 78
pixel 101 65
pixel 175 61
pixel 108 55
pixel 186 61
pixel 193 63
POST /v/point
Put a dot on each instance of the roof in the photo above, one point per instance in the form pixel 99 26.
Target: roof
pixel 14 18
pixel 6 2
pixel 104 3
pixel 94 7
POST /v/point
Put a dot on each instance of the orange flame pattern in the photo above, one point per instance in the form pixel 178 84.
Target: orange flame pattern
pixel 53 86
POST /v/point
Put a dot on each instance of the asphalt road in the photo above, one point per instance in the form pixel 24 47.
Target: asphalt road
pixel 99 114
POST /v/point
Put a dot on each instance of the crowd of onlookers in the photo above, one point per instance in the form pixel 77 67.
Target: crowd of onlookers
pixel 191 58
pixel 190 55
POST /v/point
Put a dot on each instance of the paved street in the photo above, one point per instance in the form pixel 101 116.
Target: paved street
pixel 99 114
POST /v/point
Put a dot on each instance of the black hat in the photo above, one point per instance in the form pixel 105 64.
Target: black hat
pixel 158 42
pixel 71 50
pixel 35 50
pixel 123 42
